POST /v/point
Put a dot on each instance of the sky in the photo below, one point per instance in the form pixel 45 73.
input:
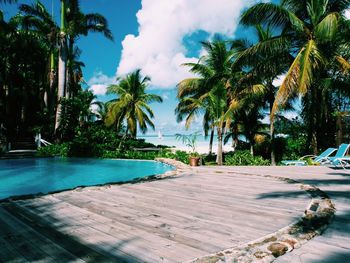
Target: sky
pixel 156 36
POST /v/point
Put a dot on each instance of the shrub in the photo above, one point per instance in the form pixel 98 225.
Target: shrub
pixel 178 155
pixel 295 148
pixel 54 150
pixel 241 158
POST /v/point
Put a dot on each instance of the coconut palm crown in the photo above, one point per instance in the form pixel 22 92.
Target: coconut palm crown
pixel 132 104
pixel 306 26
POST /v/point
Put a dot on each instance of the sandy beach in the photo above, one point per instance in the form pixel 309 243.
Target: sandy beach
pixel 202 145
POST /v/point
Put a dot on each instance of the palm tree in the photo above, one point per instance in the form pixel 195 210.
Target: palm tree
pixel 39 21
pixel 62 63
pixel 308 28
pixel 74 24
pixel 264 67
pixel 132 104
pixel 216 93
pixel 80 24
pixel 214 72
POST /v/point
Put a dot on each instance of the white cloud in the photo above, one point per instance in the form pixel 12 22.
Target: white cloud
pixel 158 48
pixel 279 80
pixel 99 89
pixel 347 14
pixel 99 83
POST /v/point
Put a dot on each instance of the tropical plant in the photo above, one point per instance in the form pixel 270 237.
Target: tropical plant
pixel 206 93
pixel 131 104
pixel 264 67
pixel 80 24
pixel 37 20
pixel 62 63
pixel 244 158
pixel 309 28
pixel 190 141
pixel 74 23
pixel 76 112
pixel 216 93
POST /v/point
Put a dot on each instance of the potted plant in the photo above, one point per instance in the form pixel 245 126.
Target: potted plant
pixel 190 141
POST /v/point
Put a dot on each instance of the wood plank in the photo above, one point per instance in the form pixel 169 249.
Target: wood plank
pixel 75 246
pixel 141 240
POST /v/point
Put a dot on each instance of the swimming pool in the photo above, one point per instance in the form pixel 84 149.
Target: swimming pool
pixel 44 175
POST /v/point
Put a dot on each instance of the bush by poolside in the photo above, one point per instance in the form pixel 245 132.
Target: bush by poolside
pixel 242 158
pixel 65 150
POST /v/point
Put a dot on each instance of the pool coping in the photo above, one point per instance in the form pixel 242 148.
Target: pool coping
pixel 176 165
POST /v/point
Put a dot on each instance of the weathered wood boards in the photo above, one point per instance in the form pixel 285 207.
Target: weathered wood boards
pixel 172 220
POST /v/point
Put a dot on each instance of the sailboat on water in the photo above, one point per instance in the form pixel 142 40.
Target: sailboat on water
pixel 160 135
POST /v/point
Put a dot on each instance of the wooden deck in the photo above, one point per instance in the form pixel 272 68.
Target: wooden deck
pixel 177 219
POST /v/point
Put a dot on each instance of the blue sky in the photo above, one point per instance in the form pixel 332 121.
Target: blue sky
pixel 156 36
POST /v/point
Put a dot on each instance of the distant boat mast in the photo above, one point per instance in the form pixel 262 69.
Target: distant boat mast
pixel 160 135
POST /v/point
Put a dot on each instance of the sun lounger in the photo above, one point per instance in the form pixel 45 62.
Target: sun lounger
pixel 315 158
pixel 340 157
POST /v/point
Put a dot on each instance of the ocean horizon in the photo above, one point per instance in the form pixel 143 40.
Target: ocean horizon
pixel 202 144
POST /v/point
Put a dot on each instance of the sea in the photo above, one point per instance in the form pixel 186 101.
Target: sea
pixel 202 144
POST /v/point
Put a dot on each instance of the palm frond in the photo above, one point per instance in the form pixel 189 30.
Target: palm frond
pixel 327 28
pixel 273 15
pixel 344 64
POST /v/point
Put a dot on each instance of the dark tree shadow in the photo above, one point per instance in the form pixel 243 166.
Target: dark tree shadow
pixel 69 246
pixel 333 258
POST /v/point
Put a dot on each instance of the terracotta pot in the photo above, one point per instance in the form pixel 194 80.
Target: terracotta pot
pixel 194 161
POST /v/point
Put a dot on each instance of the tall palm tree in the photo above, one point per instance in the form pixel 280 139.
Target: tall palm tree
pixel 265 68
pixel 131 104
pixel 214 72
pixel 62 63
pixel 213 105
pixel 74 23
pixel 216 93
pixel 309 27
pixel 80 24
pixel 39 21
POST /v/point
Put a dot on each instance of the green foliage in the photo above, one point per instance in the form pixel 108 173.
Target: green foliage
pixel 295 144
pixel 190 141
pixel 131 104
pixel 178 155
pixel 242 158
pixel 54 150
pixel 294 148
pixel 75 112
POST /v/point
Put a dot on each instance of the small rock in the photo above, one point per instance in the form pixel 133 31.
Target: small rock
pixel 277 249
pixel 260 254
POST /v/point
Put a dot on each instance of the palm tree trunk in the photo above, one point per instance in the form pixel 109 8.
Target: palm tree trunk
pixel 219 154
pixel 67 87
pixel 211 141
pixel 62 63
pixel 273 149
pixel 252 149
pixel 272 138
pixel 314 112
pixel 339 129
pixel 52 74
pixel 234 137
pixel 68 91
pixel 62 60
pixel 271 100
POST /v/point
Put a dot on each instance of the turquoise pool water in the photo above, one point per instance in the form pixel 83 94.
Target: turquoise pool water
pixel 44 175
